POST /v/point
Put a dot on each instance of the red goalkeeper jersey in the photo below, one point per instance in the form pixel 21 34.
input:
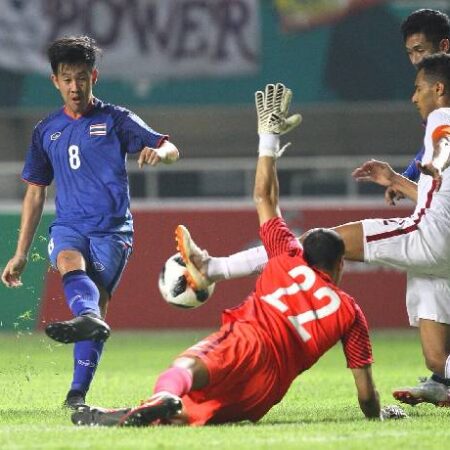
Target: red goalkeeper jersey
pixel 303 313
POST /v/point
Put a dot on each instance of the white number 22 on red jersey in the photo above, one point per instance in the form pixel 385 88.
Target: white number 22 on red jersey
pixel 298 320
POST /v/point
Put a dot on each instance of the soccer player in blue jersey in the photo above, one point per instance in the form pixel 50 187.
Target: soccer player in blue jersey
pixel 425 31
pixel 83 147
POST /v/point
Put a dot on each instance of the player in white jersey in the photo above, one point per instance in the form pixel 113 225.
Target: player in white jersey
pixel 417 244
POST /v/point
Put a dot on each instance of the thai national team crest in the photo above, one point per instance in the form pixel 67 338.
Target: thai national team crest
pixel 97 129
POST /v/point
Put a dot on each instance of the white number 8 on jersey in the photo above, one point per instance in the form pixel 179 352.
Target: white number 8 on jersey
pixel 74 157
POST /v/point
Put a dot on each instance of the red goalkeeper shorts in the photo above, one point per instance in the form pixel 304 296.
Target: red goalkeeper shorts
pixel 245 379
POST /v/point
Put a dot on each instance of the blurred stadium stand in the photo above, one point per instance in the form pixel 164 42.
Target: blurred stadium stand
pixel 218 146
pixel 349 73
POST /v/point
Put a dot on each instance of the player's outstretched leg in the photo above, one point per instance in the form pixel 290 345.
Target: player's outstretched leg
pixel 81 328
pixel 161 406
pixel 194 258
pixel 427 391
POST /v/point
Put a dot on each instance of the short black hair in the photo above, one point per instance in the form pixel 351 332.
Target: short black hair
pixel 436 66
pixel 323 248
pixel 434 24
pixel 73 50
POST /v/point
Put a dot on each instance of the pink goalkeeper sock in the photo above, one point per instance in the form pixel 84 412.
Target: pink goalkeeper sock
pixel 175 380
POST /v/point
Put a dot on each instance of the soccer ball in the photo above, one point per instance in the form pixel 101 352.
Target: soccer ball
pixel 174 287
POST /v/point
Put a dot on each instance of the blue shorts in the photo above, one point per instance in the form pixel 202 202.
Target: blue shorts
pixel 106 255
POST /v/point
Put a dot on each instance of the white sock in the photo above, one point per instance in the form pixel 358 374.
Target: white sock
pixel 238 265
pixel 447 368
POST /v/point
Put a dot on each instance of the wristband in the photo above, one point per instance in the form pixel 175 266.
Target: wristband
pixel 269 144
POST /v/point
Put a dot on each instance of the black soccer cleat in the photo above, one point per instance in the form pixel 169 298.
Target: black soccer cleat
pixel 158 407
pixel 81 328
pixel 98 417
pixel 161 406
pixel 75 399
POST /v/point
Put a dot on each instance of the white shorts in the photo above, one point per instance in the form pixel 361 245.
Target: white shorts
pixel 398 243
pixel 401 244
pixel 428 298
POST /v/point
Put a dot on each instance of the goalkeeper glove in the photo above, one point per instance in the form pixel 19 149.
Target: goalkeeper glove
pixel 272 107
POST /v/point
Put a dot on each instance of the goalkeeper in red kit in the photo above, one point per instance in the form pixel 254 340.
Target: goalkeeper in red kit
pixel 295 314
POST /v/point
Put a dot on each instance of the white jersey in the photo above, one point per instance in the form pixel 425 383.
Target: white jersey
pixel 432 212
pixel 441 202
pixel 419 244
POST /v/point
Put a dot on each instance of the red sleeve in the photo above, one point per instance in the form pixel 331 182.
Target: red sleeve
pixel 278 238
pixel 356 342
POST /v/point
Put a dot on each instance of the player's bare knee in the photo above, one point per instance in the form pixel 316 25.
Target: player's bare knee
pixel 69 260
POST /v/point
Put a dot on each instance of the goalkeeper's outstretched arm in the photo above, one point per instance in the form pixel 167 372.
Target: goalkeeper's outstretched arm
pixel 272 107
pixel 265 194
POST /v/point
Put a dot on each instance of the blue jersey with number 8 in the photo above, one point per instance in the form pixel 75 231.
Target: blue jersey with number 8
pixel 87 159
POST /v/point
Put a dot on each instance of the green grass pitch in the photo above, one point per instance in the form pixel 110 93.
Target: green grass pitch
pixel 319 412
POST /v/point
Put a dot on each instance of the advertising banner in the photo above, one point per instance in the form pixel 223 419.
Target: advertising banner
pixel 137 304
pixel 141 39
pixel 300 14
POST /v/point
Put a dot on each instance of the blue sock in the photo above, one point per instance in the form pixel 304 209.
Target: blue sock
pixel 81 293
pixel 86 357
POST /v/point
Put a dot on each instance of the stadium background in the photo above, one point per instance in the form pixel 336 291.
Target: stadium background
pixel 352 81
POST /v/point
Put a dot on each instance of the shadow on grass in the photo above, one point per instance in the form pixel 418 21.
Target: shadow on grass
pixel 294 421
